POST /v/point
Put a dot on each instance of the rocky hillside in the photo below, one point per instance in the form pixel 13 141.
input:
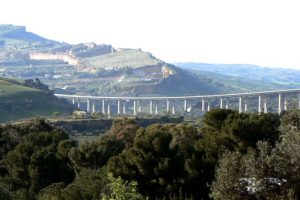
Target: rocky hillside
pixel 31 98
pixel 94 69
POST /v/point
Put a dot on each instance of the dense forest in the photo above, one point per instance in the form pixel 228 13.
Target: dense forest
pixel 226 155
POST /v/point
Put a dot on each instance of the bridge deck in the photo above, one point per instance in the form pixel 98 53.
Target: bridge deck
pixel 181 97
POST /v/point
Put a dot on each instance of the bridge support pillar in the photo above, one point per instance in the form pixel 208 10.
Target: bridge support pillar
pixel 140 107
pixel 279 104
pixel 73 101
pixel 134 107
pixel 245 106
pixel 124 109
pixel 151 107
pixel 168 106
pixel 226 106
pixel 156 110
pixel 221 103
pixel 173 109
pixel 265 106
pixel 108 110
pixel 185 106
pixel 240 104
pixel 259 104
pixel 119 107
pixel 88 105
pixel 285 104
pixel 93 107
pixel 203 105
pixel 78 105
pixel 103 106
pixel 208 106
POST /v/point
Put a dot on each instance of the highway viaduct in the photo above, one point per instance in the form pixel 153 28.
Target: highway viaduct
pixel 223 100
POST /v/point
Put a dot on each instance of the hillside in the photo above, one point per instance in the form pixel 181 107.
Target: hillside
pixel 101 69
pixel 121 59
pixel 18 101
pixel 288 77
pixel 18 37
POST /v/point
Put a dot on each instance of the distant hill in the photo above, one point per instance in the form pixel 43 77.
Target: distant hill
pixel 101 69
pixel 18 101
pixel 288 77
pixel 19 37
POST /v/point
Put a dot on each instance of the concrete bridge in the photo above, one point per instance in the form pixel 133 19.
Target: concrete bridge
pixel 261 102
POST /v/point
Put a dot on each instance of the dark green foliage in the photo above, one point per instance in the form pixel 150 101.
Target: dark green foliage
pixel 214 120
pixel 94 154
pixel 52 192
pixel 35 161
pixel 269 172
pixel 157 159
pixel 122 190
pixel 88 185
pixel 5 193
pixel 290 118
pixel 37 84
pixel 170 161
pixel 226 129
pixel 125 129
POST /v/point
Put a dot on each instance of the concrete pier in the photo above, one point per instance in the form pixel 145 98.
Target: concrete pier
pixel 156 110
pixel 108 110
pixel 73 101
pixel 185 106
pixel 245 106
pixel 168 106
pixel 119 107
pixel 203 105
pixel 279 103
pixel 259 104
pixel 227 106
pixel 103 106
pixel 240 104
pixel 285 106
pixel 134 108
pixel 93 107
pixel 208 106
pixel 265 106
pixel 151 107
pixel 173 109
pixel 221 103
pixel 88 105
pixel 124 109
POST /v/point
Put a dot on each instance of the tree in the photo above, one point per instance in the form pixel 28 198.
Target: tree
pixel 88 185
pixel 250 176
pixel 125 129
pixel 95 154
pixel 158 160
pixel 36 162
pixel 5 193
pixel 122 190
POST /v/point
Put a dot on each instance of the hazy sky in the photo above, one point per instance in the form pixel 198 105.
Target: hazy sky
pixel 263 32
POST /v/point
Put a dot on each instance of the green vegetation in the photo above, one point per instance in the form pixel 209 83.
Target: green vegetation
pixel 28 99
pixel 228 156
pixel 122 59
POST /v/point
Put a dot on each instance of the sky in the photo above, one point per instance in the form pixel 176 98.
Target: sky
pixel 261 32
